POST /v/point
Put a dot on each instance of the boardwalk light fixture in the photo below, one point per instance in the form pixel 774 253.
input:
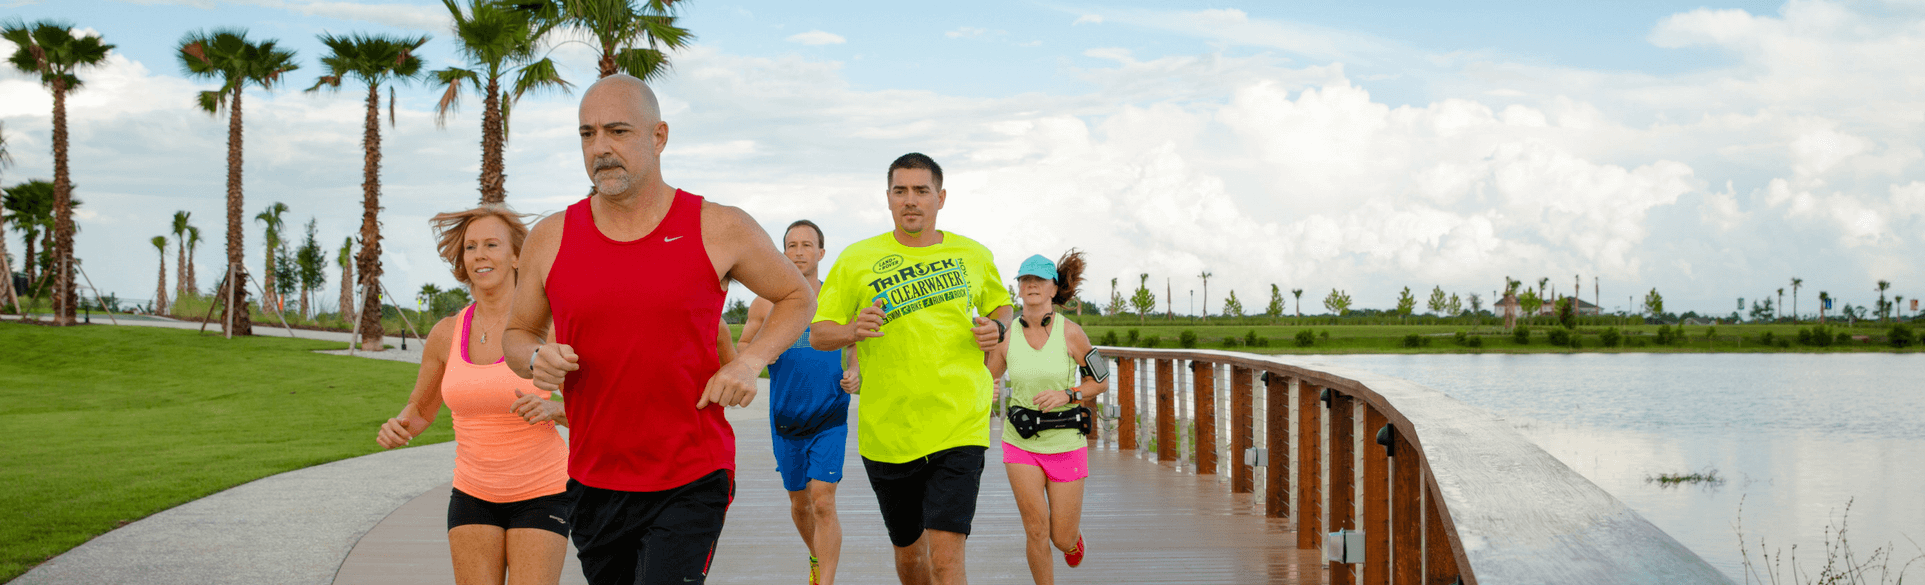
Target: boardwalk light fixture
pixel 1344 546
pixel 1256 457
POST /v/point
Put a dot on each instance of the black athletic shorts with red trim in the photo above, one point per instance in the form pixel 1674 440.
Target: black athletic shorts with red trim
pixel 650 537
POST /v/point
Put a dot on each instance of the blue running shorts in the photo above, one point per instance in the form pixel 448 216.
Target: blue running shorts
pixel 818 457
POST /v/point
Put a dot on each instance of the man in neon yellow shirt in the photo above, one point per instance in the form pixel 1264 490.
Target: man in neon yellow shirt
pixel 905 300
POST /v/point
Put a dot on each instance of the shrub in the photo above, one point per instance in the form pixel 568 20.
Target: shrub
pixel 1804 336
pixel 1415 340
pixel 1232 341
pixel 1187 339
pixel 1900 336
pixel 1639 343
pixel 1784 344
pixel 1768 339
pixel 1109 339
pixel 1843 338
pixel 1152 341
pixel 1134 337
pixel 1305 338
pixel 1250 338
pixel 1325 335
pixel 1610 337
pixel 1463 338
pixel 1522 335
pixel 1261 342
pixel 1474 341
pixel 1665 337
pixel 1559 336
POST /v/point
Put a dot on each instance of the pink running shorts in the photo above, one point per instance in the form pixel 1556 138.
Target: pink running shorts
pixel 1058 467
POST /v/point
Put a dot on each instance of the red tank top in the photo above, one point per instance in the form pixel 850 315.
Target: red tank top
pixel 642 316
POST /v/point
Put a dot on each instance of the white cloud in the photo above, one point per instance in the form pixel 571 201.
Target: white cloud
pixel 816 37
pixel 966 32
pixel 1088 19
pixel 430 17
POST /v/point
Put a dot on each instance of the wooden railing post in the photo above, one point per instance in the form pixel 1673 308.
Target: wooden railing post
pixel 1203 375
pixel 1309 468
pixel 1440 563
pixel 1376 499
pixel 1407 553
pixel 1343 481
pixel 1243 409
pixel 1276 485
pixel 1126 404
pixel 1165 411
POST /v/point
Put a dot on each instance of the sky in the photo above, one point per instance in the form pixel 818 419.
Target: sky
pixel 1708 151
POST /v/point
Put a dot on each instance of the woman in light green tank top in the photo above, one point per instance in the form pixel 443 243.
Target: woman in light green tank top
pixel 1043 358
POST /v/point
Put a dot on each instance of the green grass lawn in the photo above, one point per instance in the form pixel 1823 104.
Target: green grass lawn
pixel 106 425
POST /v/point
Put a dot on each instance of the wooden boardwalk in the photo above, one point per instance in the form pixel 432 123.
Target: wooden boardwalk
pixel 1144 522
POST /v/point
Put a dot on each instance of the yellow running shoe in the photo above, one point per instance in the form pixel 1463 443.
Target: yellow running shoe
pixel 815 571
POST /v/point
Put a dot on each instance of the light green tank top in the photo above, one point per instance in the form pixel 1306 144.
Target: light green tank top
pixel 1032 371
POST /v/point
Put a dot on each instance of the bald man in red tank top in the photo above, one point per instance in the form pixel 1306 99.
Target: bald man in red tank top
pixel 634 277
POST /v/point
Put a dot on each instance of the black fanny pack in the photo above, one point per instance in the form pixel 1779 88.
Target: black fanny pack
pixel 1029 422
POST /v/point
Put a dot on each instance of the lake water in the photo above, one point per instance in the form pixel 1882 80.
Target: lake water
pixel 1795 436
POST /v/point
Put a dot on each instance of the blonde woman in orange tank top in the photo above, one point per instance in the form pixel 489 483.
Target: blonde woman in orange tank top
pixel 505 514
pixel 511 464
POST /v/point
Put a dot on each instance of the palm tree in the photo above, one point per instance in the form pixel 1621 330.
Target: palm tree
pixel 345 260
pixel 1781 301
pixel 227 56
pixel 193 243
pixel 1205 275
pixel 180 262
pixel 1297 292
pixel 1823 299
pixel 272 217
pixel 618 29
pixel 373 59
pixel 1882 307
pixel 32 204
pixel 497 40
pixel 160 290
pixel 50 50
pixel 1795 283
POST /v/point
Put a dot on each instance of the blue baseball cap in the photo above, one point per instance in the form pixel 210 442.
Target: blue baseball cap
pixel 1037 266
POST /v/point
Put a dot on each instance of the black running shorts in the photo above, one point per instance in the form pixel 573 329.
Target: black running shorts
pixel 936 492
pixel 651 537
pixel 548 512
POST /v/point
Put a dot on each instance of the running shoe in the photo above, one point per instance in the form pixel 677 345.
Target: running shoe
pixel 815 571
pixel 1075 557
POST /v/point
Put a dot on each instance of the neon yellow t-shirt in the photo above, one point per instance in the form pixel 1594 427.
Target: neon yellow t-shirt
pixel 924 386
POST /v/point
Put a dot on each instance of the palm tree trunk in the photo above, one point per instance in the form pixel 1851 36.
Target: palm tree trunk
pixel 65 296
pixel 192 278
pixel 369 259
pixel 493 139
pixel 160 290
pixel 180 266
pixel 268 297
pixel 31 260
pixel 607 62
pixel 304 295
pixel 235 292
pixel 8 296
pixel 347 293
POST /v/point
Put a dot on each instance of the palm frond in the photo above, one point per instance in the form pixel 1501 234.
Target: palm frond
pixel 450 79
pixel 647 64
pixel 537 76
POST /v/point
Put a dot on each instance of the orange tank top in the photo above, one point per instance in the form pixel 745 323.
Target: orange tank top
pixel 498 456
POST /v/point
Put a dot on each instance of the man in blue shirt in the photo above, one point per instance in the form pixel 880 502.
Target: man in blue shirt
pixel 808 415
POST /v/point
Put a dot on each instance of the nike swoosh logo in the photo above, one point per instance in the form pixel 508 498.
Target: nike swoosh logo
pixel 672 239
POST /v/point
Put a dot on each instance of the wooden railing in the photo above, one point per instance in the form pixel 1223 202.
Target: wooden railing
pixel 1449 492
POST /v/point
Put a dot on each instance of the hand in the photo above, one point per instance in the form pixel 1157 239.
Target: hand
pixel 553 362
pixel 869 321
pixel 852 381
pixel 533 408
pixel 988 333
pixel 733 385
pixel 397 431
pixel 1051 399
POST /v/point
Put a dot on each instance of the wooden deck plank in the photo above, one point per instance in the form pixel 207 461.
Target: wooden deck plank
pixel 1145 522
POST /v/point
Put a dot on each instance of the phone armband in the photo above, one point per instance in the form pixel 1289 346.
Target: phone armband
pixel 1095 367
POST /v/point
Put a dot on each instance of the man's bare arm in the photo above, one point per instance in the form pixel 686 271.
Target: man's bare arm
pixel 743 253
pixel 752 325
pixel 529 314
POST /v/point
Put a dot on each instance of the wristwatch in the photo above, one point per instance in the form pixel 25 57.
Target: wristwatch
pixel 1002 331
pixel 1074 395
pixel 531 360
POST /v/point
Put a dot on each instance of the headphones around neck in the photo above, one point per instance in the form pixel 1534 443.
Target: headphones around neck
pixel 1025 322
